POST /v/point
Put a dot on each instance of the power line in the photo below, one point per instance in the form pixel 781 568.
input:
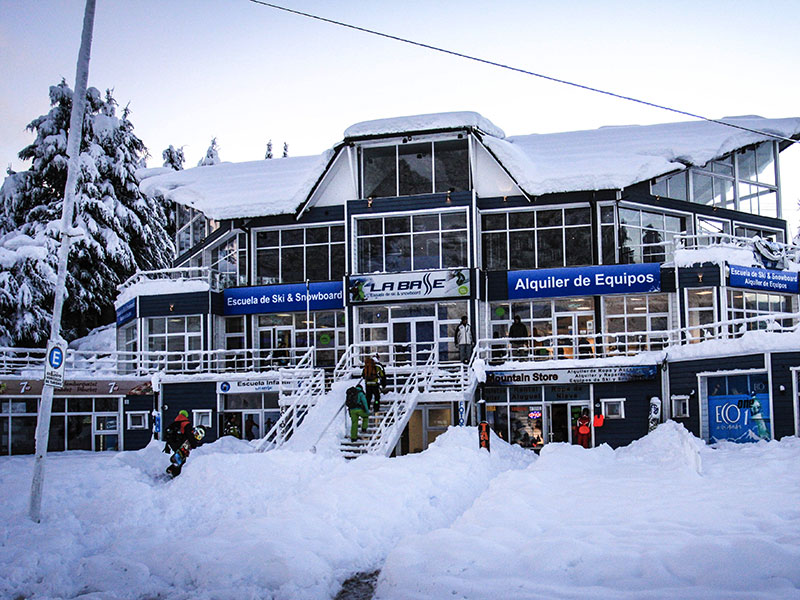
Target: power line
pixel 519 70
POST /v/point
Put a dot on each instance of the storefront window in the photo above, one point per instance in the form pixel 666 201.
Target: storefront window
pixel 296 254
pixel 520 240
pixel 739 408
pixel 701 313
pixel 415 168
pixel 645 236
pixel 175 342
pixel 635 323
pixel 419 242
pixel 746 304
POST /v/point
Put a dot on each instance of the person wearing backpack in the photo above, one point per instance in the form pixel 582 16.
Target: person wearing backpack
pixel 374 379
pixel 175 434
pixel 356 402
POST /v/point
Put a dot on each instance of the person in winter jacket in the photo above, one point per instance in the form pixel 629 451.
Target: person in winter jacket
pixel 361 411
pixel 463 339
pixel 176 433
pixel 519 333
pixel 583 431
pixel 374 379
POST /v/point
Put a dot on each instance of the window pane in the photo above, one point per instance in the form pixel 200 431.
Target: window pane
pixel 454 220
pixel 398 253
pixel 337 234
pixel 316 235
pixel 523 250
pixel 520 220
pixel 317 261
pixel 454 249
pixel 550 248
pixel 292 237
pixel 157 326
pixel 370 255
pixel 495 253
pixel 747 164
pixel 380 172
pixel 765 163
pixel 426 222
pixel 579 246
pixel 193 324
pixel 415 169
pixel 292 265
pixel 493 222
pixel 452 166
pixel 578 216
pixel 426 251
pixel 267 266
pixel 678 187
pixel 397 225
pixel 609 245
pixel 337 261
pixel 548 218
pixel 176 325
pixel 267 238
pixel 369 226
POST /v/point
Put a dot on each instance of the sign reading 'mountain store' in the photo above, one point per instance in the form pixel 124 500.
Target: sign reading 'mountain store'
pixel 578 375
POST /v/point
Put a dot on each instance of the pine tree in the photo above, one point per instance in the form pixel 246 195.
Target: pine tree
pixel 269 150
pixel 212 155
pixel 173 158
pixel 285 149
pixel 120 229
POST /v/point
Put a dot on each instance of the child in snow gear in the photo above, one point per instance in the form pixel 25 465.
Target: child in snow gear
pixel 174 435
pixel 583 431
pixel 359 411
pixel 192 439
pixel 375 378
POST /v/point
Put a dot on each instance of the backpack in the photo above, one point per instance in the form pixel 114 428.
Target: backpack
pixel 172 435
pixel 351 397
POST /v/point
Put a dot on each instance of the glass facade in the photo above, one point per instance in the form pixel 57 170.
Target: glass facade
pixel 292 255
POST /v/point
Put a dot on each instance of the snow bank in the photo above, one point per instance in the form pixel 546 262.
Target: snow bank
pixel 103 339
pixel 428 122
pixel 630 524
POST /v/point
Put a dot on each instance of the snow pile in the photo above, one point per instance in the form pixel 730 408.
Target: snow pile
pixel 451 522
pixel 102 339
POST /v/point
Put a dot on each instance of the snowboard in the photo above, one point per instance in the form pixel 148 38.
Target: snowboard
pixel 178 459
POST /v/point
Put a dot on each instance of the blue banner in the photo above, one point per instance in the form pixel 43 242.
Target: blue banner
pixel 286 297
pixel 585 281
pixel 126 312
pixel 739 418
pixel 763 279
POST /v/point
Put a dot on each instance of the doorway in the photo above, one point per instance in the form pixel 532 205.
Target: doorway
pixel 575 334
pixel 562 418
pixel 412 341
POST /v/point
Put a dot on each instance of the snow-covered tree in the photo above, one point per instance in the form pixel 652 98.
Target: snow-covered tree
pixel 120 230
pixel 212 155
pixel 173 158
pixel 269 150
pixel 285 149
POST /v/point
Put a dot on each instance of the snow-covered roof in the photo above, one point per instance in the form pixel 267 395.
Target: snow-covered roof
pixel 237 190
pixel 599 159
pixel 617 157
pixel 431 122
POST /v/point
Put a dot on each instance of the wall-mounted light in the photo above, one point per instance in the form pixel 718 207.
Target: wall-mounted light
pixel 699 278
pixel 369 202
pixel 782 388
pixel 505 198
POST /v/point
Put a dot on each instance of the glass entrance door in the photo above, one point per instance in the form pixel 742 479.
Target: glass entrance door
pixel 252 429
pixel 412 341
pixel 575 333
pixel 562 418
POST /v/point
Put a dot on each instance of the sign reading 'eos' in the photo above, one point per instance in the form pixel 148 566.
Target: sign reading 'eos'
pixel 585 281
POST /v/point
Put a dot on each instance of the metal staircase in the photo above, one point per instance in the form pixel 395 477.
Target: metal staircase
pixel 386 427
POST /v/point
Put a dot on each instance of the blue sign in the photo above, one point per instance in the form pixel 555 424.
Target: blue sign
pixel 56 357
pixel 738 418
pixel 763 279
pixel 126 312
pixel 585 281
pixel 287 297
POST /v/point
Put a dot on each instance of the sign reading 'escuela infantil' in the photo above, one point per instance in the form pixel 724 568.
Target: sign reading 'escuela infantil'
pixel 585 281
pixel 578 375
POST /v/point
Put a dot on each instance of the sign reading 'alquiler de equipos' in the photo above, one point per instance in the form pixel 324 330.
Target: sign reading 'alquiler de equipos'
pixel 585 281
pixel 422 285
pixel 285 297
pixel 764 279
pixel 577 375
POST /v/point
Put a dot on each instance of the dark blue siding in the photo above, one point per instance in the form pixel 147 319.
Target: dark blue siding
pixel 637 394
pixel 782 401
pixel 190 303
pixel 136 439
pixel 190 396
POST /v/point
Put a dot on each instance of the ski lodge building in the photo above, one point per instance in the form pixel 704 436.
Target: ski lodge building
pixel 649 265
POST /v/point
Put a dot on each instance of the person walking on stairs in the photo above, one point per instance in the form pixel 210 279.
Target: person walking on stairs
pixel 358 411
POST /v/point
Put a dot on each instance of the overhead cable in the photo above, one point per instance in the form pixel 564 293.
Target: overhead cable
pixel 520 70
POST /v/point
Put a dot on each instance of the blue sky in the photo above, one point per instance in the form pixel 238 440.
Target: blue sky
pixel 191 70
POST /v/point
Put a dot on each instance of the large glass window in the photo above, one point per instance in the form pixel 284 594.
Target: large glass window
pixel 635 322
pixel 531 239
pixel 701 309
pixel 294 255
pixel 412 243
pixel 745 304
pixel 646 236
pixel 744 181
pixel 229 261
pixel 415 168
pixel 171 341
pixel 284 337
pixel 192 228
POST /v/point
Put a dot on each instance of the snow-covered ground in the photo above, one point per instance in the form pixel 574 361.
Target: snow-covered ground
pixel 666 517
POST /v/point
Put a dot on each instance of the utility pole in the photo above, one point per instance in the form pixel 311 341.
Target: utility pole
pixel 55 341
